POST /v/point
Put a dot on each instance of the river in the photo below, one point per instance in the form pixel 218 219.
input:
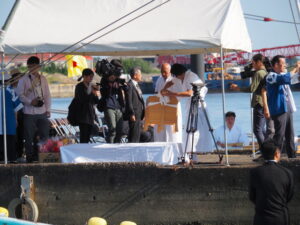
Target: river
pixel 237 102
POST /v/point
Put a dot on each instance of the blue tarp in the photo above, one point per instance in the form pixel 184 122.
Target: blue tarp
pixel 13 221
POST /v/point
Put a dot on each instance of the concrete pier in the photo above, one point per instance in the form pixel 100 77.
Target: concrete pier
pixel 142 192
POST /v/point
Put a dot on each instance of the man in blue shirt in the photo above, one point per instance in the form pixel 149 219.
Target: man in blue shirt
pixel 12 106
pixel 281 103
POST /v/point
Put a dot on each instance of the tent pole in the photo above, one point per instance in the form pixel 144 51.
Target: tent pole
pixel 4 109
pixel 10 16
pixel 251 116
pixel 223 101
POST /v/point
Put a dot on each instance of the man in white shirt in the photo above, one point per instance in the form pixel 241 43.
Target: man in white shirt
pixel 34 93
pixel 167 134
pixel 234 133
pixel 164 77
pixel 181 87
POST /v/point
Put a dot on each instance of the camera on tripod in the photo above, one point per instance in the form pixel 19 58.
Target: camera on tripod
pixel 192 122
pixel 197 88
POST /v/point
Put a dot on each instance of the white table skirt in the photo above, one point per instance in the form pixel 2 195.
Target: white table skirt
pixel 159 152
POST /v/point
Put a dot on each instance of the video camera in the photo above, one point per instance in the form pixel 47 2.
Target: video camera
pixel 106 69
pixel 196 88
pixel 248 72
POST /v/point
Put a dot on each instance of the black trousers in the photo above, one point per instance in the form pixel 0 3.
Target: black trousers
pixel 262 128
pixel 85 132
pixel 11 147
pixel 134 131
pixel 20 135
pixel 284 132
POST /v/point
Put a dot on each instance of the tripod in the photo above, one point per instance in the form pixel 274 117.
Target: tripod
pixel 192 124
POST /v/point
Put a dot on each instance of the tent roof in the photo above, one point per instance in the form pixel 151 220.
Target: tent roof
pixel 175 27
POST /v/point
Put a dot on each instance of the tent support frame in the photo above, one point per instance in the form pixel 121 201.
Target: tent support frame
pixel 3 108
pixel 223 102
pixel 4 28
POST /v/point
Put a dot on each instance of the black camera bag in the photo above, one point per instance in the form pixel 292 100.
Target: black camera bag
pixel 74 108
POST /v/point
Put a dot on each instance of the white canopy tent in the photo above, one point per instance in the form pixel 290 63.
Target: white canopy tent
pixel 156 27
pixel 175 27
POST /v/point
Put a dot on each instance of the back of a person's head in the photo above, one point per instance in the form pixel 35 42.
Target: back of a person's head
pixel 230 114
pixel 268 150
pixel 33 60
pixel 178 69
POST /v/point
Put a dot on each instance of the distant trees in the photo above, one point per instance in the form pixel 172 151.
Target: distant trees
pixel 55 68
pixel 146 67
pixel 51 68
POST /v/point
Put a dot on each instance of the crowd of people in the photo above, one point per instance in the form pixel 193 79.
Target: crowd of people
pixel 28 104
pixel 124 108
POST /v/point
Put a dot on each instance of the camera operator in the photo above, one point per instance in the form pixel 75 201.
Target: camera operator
pixel 34 93
pixel 112 101
pixel 260 64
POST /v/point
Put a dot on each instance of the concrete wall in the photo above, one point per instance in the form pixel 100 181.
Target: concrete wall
pixel 62 90
pixel 144 193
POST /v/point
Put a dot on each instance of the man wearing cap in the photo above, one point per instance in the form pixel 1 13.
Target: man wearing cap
pixel 34 93
pixel 12 106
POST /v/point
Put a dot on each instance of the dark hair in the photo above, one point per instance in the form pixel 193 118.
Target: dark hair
pixel 268 150
pixel 87 72
pixel 276 59
pixel 33 60
pixel 258 57
pixel 230 114
pixel 178 69
pixel 133 71
pixel 116 62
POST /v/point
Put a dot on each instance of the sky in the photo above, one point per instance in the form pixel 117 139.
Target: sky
pixel 262 34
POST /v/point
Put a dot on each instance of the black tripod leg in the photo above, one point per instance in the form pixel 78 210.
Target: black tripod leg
pixel 187 136
pixel 211 130
pixel 191 124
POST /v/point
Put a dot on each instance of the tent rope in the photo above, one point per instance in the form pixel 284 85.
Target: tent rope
pixel 44 63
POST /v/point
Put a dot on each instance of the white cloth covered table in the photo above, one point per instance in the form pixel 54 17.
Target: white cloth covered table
pixel 159 152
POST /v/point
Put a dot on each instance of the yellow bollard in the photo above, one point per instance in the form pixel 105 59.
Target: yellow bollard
pixel 96 221
pixel 3 212
pixel 128 223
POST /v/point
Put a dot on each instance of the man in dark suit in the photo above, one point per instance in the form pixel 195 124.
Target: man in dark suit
pixel 135 106
pixel 271 188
